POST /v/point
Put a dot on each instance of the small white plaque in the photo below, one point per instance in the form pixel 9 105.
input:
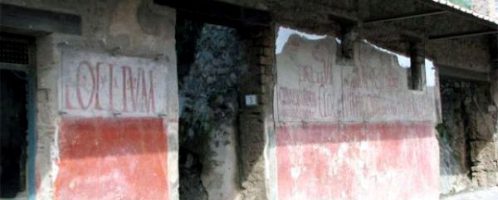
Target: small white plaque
pixel 251 100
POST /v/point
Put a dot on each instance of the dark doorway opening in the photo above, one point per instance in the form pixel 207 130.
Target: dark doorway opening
pixel 211 62
pixel 13 132
pixel 466 136
pixel 14 83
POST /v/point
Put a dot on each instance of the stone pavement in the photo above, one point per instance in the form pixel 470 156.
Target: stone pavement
pixel 481 194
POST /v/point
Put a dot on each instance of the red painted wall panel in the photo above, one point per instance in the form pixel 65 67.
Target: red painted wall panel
pixel 357 161
pixel 112 158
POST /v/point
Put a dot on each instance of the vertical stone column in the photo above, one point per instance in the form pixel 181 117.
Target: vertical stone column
pixel 481 119
pixel 494 91
pixel 254 119
pixel 417 69
pixel 47 117
pixel 483 141
pixel 494 68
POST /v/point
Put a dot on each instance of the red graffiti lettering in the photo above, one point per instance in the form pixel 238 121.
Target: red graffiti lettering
pixel 79 79
pixel 98 87
pixel 111 85
pixel 126 70
pixel 150 103
pixel 97 99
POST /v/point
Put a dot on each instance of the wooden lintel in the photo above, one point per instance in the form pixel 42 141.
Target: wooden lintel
pixel 35 20
pixel 405 17
pixel 463 35
pixel 219 12
pixel 463 74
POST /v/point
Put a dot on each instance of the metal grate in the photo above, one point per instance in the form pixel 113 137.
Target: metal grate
pixel 14 51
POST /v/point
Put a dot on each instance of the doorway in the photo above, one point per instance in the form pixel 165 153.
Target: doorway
pixel 211 62
pixel 15 81
pixel 466 136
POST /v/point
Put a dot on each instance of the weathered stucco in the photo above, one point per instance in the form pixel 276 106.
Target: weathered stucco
pixel 349 128
pixel 357 161
pixel 105 158
pixel 356 116
pixel 137 39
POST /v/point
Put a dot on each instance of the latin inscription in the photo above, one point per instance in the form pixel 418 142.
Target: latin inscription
pixel 312 87
pixel 95 83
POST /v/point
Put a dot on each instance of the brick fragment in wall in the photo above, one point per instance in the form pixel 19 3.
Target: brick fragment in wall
pixel 482 151
pixel 269 43
pixel 253 88
pixel 252 125
pixel 263 42
pixel 253 110
pixel 265 60
pixel 263 68
pixel 266 51
pixel 253 141
pixel 488 166
pixel 269 71
pixel 250 156
pixel 252 135
pixel 264 98
pixel 484 125
pixel 252 82
pixel 253 72
pixel 483 178
pixel 266 81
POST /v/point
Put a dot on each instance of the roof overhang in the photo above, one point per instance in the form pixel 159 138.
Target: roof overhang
pixel 454 36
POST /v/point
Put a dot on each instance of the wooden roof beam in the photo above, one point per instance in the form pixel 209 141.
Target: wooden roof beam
pixel 406 16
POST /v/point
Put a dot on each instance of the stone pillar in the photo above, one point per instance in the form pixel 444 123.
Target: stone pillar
pixel 494 91
pixel 417 69
pixel 494 68
pixel 255 117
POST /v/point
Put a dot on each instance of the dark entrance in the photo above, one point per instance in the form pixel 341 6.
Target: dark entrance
pixel 467 147
pixel 211 60
pixel 14 59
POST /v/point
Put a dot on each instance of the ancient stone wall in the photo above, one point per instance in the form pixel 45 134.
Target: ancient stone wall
pixel 467 136
pixel 108 106
pixel 256 119
pixel 349 128
pixel 106 101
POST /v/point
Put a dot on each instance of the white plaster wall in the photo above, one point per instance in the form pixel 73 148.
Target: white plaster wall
pixel 314 87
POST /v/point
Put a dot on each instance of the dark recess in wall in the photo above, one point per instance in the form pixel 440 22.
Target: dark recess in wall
pixel 211 60
pixel 466 135
pixel 13 132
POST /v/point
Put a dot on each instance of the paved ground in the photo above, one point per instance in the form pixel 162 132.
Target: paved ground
pixel 484 194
